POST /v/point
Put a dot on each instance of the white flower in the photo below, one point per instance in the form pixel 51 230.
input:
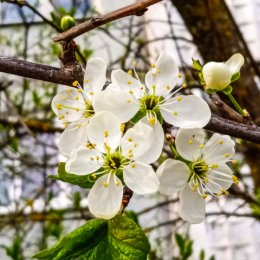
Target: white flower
pixel 114 159
pixel 127 95
pixel 74 106
pixel 217 75
pixel 205 171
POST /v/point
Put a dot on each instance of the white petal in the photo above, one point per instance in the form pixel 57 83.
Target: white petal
pixel 235 62
pixel 95 75
pixel 73 137
pixel 113 87
pixel 173 176
pixel 83 161
pixel 192 206
pixel 189 143
pixel 186 112
pixel 155 150
pixel 104 129
pixel 120 103
pixel 219 178
pixel 216 75
pixel 164 76
pixel 137 140
pixel 127 83
pixel 69 105
pixel 219 148
pixel 105 202
pixel 140 178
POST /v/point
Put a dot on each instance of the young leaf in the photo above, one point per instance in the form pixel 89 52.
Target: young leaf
pixel 83 181
pixel 180 242
pixel 196 65
pixel 116 239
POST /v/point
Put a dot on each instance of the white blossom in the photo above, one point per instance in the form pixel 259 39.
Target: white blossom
pixel 112 161
pixel 217 75
pixel 74 108
pixel 155 100
pixel 204 171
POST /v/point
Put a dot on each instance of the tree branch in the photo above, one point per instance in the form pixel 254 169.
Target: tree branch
pixel 65 76
pixel 138 8
pixel 235 129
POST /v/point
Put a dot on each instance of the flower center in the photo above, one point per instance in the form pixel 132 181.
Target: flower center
pixel 150 103
pixel 89 111
pixel 115 162
pixel 200 168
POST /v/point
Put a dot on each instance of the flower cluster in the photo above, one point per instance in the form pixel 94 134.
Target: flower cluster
pixel 115 134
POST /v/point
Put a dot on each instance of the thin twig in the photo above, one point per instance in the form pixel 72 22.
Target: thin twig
pixel 138 8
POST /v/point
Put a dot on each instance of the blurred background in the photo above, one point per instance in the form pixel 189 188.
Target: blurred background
pixel 35 211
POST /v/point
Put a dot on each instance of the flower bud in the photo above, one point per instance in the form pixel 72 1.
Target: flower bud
pixel 218 75
pixel 67 22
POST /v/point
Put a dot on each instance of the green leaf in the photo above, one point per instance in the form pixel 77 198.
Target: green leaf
pixel 83 181
pixel 212 257
pixel 180 242
pixel 188 250
pixel 235 77
pixel 196 65
pixel 116 239
pixel 202 255
pixel 131 214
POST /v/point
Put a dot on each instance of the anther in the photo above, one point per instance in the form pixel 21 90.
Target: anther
pixel 152 120
pixel 122 127
pixel 129 82
pixel 179 99
pixel 69 90
pixel 130 139
pixel 133 165
pixel 184 85
pixel 94 175
pixel 91 93
pixel 130 72
pixel 75 83
pixel 131 92
pixel 105 184
pixel 204 195
pixel 168 87
pixel 227 155
pixel 220 141
pixel 179 75
pixel 235 179
pixel 190 142
pixel 214 165
pixel 201 146
pixel 175 113
pixel 153 66
pixel 106 134
pixel 79 125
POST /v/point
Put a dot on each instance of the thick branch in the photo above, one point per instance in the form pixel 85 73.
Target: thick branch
pixel 138 8
pixel 225 126
pixel 41 72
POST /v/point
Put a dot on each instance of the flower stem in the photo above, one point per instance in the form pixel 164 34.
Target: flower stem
pixel 237 106
pixel 174 151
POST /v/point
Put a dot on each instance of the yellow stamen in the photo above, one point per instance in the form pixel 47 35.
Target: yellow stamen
pixel 190 142
pixel 220 141
pixel 201 146
pixel 122 127
pixel 175 113
pixel 152 120
pixel 75 83
pixel 105 184
pixel 130 72
pixel 179 99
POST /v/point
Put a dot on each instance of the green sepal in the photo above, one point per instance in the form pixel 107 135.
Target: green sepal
pixel 83 181
pixel 139 115
pixel 228 90
pixel 196 65
pixel 211 91
pixel 119 238
pixel 235 76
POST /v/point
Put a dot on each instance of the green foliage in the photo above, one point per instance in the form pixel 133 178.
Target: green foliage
pixel 185 246
pixel 116 239
pixel 83 181
pixel 76 200
pixel 14 251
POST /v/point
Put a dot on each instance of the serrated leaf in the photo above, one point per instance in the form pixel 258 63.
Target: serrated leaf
pixel 117 239
pixel 83 181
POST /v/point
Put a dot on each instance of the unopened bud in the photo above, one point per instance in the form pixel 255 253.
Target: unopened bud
pixel 67 22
